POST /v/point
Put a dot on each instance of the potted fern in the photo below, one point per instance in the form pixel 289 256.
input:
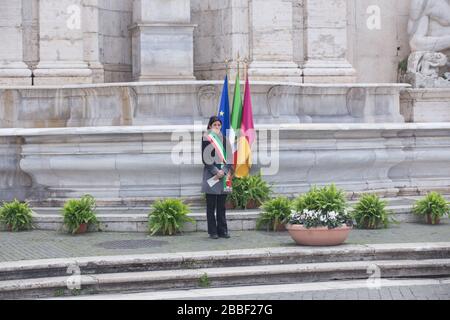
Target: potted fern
pixel 249 192
pixel 16 215
pixel 370 213
pixel 433 207
pixel 168 217
pixel 79 213
pixel 274 213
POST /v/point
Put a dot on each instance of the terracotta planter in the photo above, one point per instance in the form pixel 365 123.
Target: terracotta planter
pixel 229 205
pixel 253 204
pixel 280 228
pixel 430 219
pixel 318 236
pixel 9 228
pixel 82 228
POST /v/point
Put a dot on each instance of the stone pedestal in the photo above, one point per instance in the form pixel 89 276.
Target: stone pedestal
pixel 162 40
pixel 91 44
pixel 61 43
pixel 426 105
pixel 326 43
pixel 13 71
pixel 272 56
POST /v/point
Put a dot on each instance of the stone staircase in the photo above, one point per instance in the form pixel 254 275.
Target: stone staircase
pixel 134 219
pixel 218 269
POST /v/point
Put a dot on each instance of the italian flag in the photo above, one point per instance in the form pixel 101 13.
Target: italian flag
pixel 236 119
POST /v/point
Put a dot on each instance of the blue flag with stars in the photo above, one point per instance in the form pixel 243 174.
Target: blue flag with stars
pixel 224 108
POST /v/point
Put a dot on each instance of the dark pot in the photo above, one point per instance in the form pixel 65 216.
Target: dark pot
pixel 82 228
pixel 229 205
pixel 365 225
pixel 430 219
pixel 252 204
pixel 280 228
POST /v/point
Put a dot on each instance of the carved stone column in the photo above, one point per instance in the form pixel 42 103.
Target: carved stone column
pixel 271 28
pixel 61 43
pixel 13 70
pixel 326 42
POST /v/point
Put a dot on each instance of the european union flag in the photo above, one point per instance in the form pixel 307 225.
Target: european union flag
pixel 224 108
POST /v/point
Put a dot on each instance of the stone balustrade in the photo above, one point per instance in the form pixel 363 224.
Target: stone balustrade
pixel 184 102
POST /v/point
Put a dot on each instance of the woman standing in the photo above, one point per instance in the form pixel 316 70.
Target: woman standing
pixel 217 169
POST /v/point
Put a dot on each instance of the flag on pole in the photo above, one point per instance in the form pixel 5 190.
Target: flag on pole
pixel 224 116
pixel 247 137
pixel 236 118
pixel 224 109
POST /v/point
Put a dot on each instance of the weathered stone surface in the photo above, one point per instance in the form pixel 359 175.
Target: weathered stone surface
pixel 61 44
pixel 357 157
pixel 167 103
pixel 162 40
pixel 426 105
pixel 13 70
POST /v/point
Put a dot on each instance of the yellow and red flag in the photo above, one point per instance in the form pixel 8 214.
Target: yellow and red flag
pixel 247 136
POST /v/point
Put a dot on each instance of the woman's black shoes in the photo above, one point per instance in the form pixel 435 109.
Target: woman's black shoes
pixel 215 236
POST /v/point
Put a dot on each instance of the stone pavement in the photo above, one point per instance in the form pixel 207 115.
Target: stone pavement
pixel 32 245
pixel 405 289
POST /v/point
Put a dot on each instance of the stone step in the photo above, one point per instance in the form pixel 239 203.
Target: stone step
pixel 16 270
pixel 136 219
pixel 220 277
pixel 293 291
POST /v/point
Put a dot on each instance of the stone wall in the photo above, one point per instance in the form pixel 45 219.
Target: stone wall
pixel 375 53
pixel 221 33
pixel 115 16
pixel 135 165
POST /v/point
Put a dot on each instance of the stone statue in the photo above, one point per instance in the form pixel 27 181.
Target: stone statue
pixel 429 31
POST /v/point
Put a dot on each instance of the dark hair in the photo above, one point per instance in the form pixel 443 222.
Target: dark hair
pixel 212 120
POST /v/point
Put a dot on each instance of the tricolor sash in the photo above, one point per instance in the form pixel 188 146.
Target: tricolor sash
pixel 218 146
pixel 217 143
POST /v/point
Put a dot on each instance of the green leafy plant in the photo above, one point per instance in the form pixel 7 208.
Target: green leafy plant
pixel 79 211
pixel 274 213
pixel 320 207
pixel 370 213
pixel 433 205
pixel 403 65
pixel 16 215
pixel 204 281
pixel 168 217
pixel 249 189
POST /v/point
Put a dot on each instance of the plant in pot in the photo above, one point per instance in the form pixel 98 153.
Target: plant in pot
pixel 370 213
pixel 16 216
pixel 320 218
pixel 79 213
pixel 168 217
pixel 433 207
pixel 274 213
pixel 249 192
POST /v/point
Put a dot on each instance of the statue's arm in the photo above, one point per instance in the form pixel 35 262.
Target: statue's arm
pixel 420 41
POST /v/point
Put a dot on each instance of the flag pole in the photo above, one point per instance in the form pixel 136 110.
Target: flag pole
pixel 246 68
pixel 238 66
pixel 227 66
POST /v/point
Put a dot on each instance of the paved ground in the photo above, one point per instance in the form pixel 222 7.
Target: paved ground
pixel 32 245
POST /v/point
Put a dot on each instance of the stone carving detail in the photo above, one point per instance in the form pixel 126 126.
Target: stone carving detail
pixel 207 101
pixel 429 32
